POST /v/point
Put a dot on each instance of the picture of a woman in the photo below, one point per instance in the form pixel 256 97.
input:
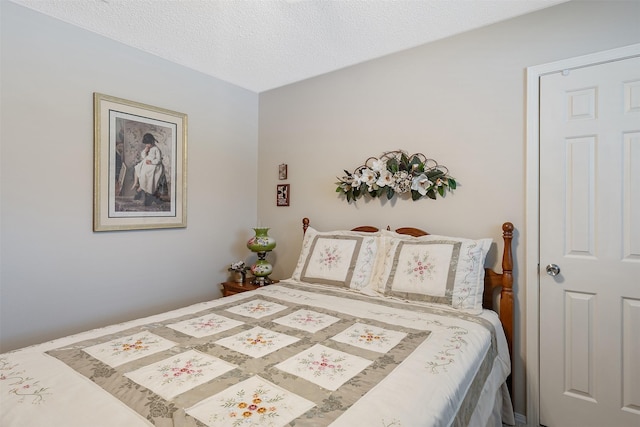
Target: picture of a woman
pixel 149 172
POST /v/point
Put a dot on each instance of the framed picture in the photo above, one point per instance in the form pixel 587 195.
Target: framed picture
pixel 283 193
pixel 140 166
pixel 282 171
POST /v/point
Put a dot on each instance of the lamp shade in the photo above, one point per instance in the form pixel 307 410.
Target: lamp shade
pixel 261 242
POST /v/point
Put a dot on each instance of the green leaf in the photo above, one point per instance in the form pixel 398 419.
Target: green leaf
pixel 434 174
pixel 392 165
pixel 415 195
pixel 390 193
pixel 431 194
pixel 452 183
pixel 441 190
pixel 404 159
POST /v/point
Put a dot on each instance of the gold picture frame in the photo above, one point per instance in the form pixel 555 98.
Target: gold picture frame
pixel 140 166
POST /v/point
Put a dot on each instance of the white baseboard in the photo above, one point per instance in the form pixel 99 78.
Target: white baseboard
pixel 521 420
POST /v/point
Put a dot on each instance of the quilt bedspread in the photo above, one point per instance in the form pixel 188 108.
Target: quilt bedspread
pixel 286 354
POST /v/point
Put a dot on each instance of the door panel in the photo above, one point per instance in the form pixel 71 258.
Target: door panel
pixel 590 227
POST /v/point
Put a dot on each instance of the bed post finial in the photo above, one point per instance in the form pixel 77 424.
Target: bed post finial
pixel 507 235
pixel 506 294
pixel 305 225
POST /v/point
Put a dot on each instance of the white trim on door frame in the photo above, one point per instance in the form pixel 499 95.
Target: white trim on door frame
pixel 532 218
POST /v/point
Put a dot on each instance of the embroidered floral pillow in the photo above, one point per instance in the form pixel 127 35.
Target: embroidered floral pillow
pixel 338 258
pixel 436 269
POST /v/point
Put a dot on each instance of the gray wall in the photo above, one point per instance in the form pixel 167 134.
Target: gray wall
pixel 460 101
pixel 59 277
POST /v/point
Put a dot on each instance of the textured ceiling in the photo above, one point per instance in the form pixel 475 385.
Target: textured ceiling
pixel 263 44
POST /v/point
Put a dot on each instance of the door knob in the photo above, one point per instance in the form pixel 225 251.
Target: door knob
pixel 553 269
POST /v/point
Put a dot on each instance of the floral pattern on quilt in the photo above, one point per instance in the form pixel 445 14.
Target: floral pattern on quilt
pixel 416 269
pixel 370 337
pixel 331 259
pixel 307 320
pixel 253 402
pixel 420 267
pixel 341 258
pixel 257 342
pixel 412 278
pixel 365 264
pixel 329 256
pixel 205 325
pixel 122 350
pixel 178 374
pixel 305 337
pixel 325 366
pixel 257 308
pixel 464 293
pixel 453 348
pixel 19 384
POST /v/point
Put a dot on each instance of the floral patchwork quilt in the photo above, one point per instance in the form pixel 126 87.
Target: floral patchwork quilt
pixel 285 354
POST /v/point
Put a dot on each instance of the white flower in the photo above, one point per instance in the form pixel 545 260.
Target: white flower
pixel 368 177
pixel 386 178
pixel 347 179
pixel 379 165
pixel 356 180
pixel 421 184
pixel 238 266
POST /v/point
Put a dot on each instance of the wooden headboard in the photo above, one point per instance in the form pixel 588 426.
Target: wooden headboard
pixel 493 281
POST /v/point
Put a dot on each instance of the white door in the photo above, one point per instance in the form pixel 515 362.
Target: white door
pixel 590 229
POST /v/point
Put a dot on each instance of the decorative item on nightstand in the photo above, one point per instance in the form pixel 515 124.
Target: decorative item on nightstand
pixel 238 271
pixel 261 243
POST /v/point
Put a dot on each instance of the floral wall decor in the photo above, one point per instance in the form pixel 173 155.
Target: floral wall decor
pixel 396 172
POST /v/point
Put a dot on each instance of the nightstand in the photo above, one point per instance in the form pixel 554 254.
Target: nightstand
pixel 230 288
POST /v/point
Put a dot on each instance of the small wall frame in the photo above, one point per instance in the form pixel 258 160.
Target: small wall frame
pixel 283 194
pixel 282 171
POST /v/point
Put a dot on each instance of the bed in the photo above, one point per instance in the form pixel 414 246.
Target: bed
pixel 374 328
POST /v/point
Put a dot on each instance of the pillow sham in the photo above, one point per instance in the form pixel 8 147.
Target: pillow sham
pixel 436 269
pixel 338 258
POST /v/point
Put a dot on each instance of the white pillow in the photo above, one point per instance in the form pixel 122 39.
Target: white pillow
pixel 436 269
pixel 338 258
